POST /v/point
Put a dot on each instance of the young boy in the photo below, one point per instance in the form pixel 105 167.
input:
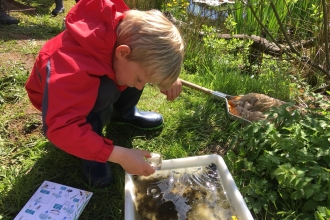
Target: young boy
pixel 96 69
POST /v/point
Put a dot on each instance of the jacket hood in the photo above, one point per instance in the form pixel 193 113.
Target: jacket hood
pixel 92 24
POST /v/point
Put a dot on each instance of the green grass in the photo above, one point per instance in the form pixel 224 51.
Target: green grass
pixel 192 123
pixel 195 123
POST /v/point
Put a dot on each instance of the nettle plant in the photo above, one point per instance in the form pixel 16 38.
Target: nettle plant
pixel 281 164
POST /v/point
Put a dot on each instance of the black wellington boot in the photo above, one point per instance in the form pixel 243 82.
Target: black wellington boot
pixel 96 174
pixel 125 111
pixel 59 8
pixel 6 19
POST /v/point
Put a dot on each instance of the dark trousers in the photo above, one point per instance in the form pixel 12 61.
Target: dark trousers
pixel 109 99
pixel 107 103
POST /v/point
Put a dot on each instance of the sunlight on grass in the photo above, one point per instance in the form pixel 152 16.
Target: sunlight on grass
pixel 194 124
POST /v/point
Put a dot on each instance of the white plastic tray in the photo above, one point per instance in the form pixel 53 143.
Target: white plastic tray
pixel 228 182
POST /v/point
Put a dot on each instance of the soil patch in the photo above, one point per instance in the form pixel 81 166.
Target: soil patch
pixel 24 126
pixel 26 59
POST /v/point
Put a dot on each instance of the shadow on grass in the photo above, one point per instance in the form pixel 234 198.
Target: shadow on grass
pixel 123 135
pixel 31 7
pixel 36 21
pixel 57 166
pixel 32 31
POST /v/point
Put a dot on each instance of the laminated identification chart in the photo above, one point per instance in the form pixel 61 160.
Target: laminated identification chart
pixel 56 202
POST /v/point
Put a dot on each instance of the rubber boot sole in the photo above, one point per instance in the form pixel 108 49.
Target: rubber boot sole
pixel 146 129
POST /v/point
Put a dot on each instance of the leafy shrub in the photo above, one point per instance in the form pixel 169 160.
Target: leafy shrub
pixel 282 163
pixel 322 213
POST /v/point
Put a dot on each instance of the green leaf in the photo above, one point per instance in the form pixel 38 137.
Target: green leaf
pixel 317 216
pixel 320 197
pixel 231 156
pixel 297 195
pixel 324 211
pixel 308 192
pixel 309 205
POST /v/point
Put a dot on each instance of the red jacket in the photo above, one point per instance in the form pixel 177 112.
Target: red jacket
pixel 65 78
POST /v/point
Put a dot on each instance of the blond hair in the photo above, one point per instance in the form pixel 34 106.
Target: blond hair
pixel 156 44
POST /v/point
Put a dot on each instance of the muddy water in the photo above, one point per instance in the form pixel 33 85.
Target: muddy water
pixel 179 194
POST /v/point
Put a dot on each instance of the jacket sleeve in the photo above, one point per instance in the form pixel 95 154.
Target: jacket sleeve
pixel 69 96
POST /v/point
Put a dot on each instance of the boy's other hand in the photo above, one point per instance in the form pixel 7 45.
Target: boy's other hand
pixel 174 91
pixel 132 160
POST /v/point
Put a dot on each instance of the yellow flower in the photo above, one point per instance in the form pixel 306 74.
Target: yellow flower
pixel 233 217
pixel 169 4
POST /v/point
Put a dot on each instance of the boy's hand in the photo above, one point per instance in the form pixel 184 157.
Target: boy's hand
pixel 174 91
pixel 132 160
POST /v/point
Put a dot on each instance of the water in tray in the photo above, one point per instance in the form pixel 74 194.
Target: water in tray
pixel 187 193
